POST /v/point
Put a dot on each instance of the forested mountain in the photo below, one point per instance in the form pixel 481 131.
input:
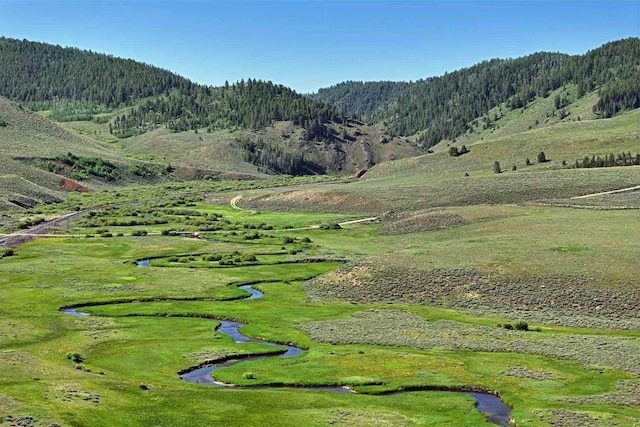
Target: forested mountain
pixel 32 72
pixel 78 84
pixel 270 128
pixel 253 104
pixel 443 107
pixel 148 111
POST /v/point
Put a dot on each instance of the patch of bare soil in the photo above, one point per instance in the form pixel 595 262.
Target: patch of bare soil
pixel 70 185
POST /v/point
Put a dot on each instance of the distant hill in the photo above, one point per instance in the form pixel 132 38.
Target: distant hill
pixel 445 107
pixel 74 84
pixel 40 161
pixel 41 74
pixel 126 102
pixel 106 121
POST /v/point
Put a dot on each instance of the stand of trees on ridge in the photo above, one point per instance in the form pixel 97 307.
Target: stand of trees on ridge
pixel 78 85
pixel 443 107
pixel 83 83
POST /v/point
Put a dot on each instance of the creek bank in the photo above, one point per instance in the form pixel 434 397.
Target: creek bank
pixel 487 401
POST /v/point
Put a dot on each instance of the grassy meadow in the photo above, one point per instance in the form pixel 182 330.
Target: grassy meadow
pixel 533 301
pixel 461 278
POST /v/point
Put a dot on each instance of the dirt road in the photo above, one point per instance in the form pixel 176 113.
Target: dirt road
pixel 622 190
pixel 43 229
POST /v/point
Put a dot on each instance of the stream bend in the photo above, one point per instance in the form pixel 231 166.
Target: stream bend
pixel 489 404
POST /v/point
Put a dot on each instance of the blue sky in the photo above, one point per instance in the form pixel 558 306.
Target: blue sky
pixel 311 44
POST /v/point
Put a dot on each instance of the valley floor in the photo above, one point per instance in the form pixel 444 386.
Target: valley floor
pixel 535 303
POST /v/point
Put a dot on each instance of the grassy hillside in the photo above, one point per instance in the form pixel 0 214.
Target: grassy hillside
pixel 564 140
pixel 438 179
pixel 354 147
pixel 29 141
pixel 444 107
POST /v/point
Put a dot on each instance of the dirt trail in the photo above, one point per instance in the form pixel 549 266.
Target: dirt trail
pixel 356 221
pixel 44 229
pixel 234 204
pixel 622 190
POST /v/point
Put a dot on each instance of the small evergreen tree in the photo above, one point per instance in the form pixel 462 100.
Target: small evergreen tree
pixel 542 157
pixel 496 167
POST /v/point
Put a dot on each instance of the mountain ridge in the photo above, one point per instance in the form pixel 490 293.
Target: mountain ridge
pixel 442 107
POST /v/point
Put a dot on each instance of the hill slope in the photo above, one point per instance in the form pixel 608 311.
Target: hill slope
pixel 38 158
pixel 168 123
pixel 435 180
pixel 119 99
pixel 443 107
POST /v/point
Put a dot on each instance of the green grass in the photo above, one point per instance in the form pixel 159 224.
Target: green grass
pixel 211 153
pixel 568 141
pixel 149 332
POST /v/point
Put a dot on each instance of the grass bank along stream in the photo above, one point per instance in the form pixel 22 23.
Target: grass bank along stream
pixel 379 329
pixel 487 401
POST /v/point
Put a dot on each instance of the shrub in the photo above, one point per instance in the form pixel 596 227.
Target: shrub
pixel 542 157
pixel 248 258
pixel 334 226
pixel 288 240
pixel 248 376
pixel 496 167
pixel 306 240
pixel 138 233
pixel 521 326
pixel 6 252
pixel 75 357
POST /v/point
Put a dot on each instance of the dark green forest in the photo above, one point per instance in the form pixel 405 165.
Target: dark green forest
pixel 253 104
pixel 39 73
pixel 443 107
pixel 78 84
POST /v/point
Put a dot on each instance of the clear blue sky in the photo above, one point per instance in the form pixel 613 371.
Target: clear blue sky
pixel 311 44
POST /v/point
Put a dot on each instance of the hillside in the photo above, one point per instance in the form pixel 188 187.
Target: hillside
pixel 35 166
pixel 445 107
pixel 124 122
pixel 431 181
pixel 73 84
pixel 134 105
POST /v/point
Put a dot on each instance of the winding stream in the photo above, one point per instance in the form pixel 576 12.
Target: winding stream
pixel 496 412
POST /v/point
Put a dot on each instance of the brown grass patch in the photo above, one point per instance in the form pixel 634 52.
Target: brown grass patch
pixel 415 222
